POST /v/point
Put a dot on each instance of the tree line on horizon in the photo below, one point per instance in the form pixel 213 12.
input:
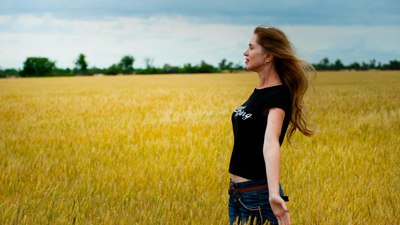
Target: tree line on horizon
pixel 42 66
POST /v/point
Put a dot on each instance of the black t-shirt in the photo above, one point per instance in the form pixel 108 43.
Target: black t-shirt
pixel 249 124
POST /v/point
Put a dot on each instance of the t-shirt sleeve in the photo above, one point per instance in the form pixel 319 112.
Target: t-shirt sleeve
pixel 278 99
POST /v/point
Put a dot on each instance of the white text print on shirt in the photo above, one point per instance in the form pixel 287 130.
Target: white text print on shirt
pixel 240 112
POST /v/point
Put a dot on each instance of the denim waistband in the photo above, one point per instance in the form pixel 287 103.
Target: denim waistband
pixel 246 184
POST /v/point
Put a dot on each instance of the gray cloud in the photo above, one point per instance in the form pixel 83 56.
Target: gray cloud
pixel 181 31
pixel 308 12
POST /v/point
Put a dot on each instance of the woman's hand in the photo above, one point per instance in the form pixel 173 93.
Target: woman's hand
pixel 280 209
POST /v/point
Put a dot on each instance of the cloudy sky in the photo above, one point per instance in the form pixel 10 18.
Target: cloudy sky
pixel 188 31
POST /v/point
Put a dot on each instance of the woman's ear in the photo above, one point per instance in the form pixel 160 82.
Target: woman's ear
pixel 268 58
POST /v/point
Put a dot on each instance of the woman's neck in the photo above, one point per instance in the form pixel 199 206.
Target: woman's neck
pixel 269 77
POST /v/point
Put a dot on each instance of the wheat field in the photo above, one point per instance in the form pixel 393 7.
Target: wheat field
pixel 155 149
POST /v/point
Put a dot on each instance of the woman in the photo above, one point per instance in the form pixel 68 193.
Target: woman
pixel 260 125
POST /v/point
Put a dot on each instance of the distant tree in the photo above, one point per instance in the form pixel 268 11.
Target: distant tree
pixel 81 66
pixel 8 72
pixel 188 68
pixel 37 66
pixel 95 70
pixel 364 66
pixel 63 72
pixel 392 65
pixel 225 65
pixel 379 66
pixel 206 68
pixel 238 66
pixel 354 66
pixel 114 69
pixel 323 64
pixel 338 65
pixel 149 62
pixel 167 68
pixel 126 64
pixel 372 64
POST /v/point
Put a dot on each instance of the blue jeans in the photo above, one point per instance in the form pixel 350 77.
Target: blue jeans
pixel 253 205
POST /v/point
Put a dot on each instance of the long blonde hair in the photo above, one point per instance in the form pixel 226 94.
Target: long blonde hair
pixel 292 72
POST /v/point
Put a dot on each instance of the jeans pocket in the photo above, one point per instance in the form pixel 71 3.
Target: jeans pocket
pixel 265 213
pixel 250 201
pixel 251 208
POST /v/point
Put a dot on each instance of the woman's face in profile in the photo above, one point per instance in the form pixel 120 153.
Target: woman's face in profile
pixel 255 55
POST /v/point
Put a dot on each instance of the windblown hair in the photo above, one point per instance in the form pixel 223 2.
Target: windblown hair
pixel 292 72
